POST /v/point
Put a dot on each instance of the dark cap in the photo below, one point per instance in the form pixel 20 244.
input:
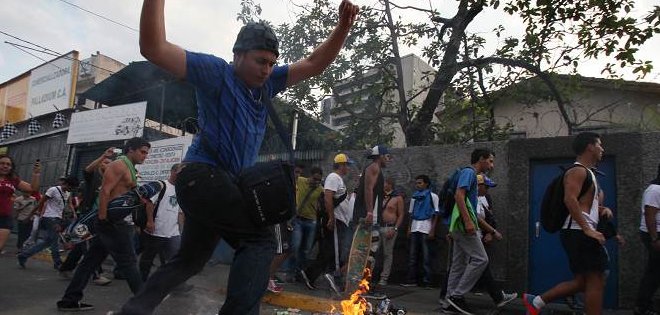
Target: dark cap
pixel 70 181
pixel 256 36
pixel 378 151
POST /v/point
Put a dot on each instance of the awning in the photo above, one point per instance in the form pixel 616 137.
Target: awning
pixel 169 100
pixel 175 100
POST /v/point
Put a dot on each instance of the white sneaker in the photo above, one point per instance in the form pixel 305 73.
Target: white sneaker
pixel 273 287
pixel 506 298
pixel 382 282
pixel 101 281
pixel 331 282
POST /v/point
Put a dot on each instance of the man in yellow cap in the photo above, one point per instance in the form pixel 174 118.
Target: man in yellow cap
pixel 338 214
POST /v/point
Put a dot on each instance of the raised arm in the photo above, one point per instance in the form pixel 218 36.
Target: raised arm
pixel 33 185
pixel 327 51
pixel 94 165
pixel 153 42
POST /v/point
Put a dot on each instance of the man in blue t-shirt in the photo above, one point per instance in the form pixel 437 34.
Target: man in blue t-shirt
pixel 469 258
pixel 232 117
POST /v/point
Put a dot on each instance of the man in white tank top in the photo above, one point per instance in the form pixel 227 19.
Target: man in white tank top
pixel 582 243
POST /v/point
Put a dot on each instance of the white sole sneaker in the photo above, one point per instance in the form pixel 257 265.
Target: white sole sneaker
pixel 506 298
pixel 331 281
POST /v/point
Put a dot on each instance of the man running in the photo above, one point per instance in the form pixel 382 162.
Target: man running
pixel 581 241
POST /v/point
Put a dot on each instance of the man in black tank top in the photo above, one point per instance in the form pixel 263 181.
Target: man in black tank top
pixel 371 188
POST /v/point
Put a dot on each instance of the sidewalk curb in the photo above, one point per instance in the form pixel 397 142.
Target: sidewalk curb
pixel 303 302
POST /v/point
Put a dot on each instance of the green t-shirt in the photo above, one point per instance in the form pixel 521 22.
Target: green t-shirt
pixel 131 167
pixel 307 210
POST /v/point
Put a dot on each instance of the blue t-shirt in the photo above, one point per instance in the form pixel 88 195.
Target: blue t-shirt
pixel 468 181
pixel 231 119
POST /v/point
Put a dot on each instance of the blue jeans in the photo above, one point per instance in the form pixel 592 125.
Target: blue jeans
pixel 164 247
pixel 214 210
pixel 419 242
pixel 116 240
pixel 302 240
pixel 49 226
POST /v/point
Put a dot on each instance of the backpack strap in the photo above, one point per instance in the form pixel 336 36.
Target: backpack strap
pixel 161 194
pixel 305 199
pixel 64 200
pixel 588 182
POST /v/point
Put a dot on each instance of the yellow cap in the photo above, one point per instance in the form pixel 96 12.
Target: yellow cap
pixel 484 180
pixel 342 158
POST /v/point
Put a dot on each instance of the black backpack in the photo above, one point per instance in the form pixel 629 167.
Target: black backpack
pixel 553 208
pixel 446 194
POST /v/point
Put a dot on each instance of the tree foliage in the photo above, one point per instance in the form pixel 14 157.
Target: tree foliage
pixel 559 35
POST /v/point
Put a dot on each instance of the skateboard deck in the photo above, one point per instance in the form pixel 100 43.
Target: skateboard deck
pixel 358 256
pixel 83 228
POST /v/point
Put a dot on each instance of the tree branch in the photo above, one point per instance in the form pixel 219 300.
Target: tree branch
pixel 414 8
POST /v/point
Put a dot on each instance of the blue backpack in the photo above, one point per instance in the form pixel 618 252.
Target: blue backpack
pixel 446 194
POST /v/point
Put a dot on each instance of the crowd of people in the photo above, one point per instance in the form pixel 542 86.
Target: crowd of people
pixel 184 219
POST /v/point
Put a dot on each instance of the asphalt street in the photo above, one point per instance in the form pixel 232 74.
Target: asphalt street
pixel 36 289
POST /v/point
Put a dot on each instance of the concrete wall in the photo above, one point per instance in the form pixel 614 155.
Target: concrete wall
pixel 636 161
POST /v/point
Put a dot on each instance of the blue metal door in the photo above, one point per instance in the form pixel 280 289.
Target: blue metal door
pixel 548 264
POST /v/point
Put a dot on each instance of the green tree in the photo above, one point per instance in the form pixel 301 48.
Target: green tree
pixel 600 29
pixel 559 35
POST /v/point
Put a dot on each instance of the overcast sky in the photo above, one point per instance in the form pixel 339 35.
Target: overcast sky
pixel 199 25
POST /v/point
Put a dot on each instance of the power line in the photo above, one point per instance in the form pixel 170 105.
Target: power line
pixel 101 16
pixel 27 52
pixel 53 53
pixel 31 48
pixel 31 43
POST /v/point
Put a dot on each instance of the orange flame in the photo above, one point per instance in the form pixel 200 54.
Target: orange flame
pixel 356 304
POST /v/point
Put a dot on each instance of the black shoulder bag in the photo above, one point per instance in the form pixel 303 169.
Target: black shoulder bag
pixel 268 188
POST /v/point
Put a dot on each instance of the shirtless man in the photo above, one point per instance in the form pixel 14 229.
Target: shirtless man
pixel 114 228
pixel 392 217
pixel 581 241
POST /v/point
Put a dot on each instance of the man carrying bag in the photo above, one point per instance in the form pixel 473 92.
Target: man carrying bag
pixel 233 108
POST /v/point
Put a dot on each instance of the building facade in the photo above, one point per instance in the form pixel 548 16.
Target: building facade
pixel 359 94
pixel 593 104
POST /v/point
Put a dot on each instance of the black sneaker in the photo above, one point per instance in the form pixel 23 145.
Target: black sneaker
pixel 65 306
pixel 21 261
pixel 308 283
pixel 459 304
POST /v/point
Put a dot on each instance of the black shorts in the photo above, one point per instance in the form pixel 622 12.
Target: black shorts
pixel 282 238
pixel 584 253
pixel 6 222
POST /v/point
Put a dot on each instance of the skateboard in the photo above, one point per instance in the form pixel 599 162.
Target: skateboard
pixel 82 229
pixel 358 256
